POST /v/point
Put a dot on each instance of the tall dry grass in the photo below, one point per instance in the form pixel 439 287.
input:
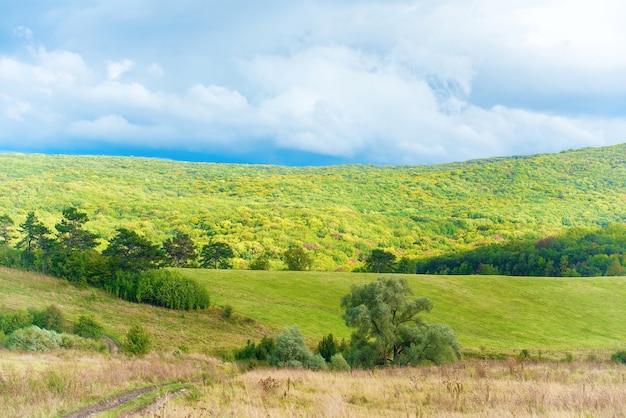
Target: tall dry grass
pixel 44 385
pixel 475 389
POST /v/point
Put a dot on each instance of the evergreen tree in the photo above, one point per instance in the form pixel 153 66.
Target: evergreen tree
pixel 180 250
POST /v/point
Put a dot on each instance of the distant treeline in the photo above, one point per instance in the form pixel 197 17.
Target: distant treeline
pixel 577 252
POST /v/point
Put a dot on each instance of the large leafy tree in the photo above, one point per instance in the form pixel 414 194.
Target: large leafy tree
pixel 389 330
pixel 71 234
pixel 180 250
pixel 131 252
pixel 216 255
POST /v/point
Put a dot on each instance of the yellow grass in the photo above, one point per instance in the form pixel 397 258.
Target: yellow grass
pixel 44 385
pixel 475 389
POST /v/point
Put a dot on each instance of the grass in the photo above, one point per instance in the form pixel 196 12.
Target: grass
pixel 489 312
pixel 474 389
pixel 43 385
pixel 195 331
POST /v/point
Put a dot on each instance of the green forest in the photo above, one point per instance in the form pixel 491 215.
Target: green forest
pixel 339 214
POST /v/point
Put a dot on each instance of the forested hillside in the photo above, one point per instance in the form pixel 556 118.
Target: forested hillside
pixel 339 213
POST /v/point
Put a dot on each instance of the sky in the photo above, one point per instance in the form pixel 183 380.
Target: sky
pixel 312 82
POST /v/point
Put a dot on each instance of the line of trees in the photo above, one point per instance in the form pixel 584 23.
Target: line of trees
pixel 121 268
pixel 586 252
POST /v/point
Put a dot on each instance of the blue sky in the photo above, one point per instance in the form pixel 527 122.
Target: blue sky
pixel 312 82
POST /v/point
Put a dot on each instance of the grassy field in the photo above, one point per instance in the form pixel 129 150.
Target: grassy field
pixel 202 332
pixel 489 312
pixel 555 317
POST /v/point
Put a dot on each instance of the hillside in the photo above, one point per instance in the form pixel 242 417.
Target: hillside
pixel 496 314
pixel 339 212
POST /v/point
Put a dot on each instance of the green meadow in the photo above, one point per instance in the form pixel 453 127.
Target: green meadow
pixel 488 313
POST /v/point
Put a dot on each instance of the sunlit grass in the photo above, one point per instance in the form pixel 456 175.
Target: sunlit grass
pixel 489 312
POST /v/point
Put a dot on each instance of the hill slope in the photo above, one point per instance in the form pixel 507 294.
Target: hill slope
pixel 496 313
pixel 340 212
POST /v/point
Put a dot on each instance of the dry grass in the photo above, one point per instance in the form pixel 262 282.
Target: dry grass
pixel 475 389
pixel 43 385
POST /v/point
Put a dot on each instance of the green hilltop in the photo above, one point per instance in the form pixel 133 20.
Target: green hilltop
pixel 339 212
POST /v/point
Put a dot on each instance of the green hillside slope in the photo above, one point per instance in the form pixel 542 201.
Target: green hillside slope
pixel 501 313
pixel 494 313
pixel 339 212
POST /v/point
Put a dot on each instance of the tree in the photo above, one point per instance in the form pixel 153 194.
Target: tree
pixel 216 255
pixel 6 229
pixel 327 347
pixel 132 252
pixel 297 259
pixel 35 233
pixel 71 236
pixel 388 329
pixel 290 351
pixel 180 250
pixel 380 261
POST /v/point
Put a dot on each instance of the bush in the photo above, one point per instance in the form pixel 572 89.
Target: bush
pixel 256 352
pixel 87 327
pixel 74 341
pixel 338 363
pixel 619 357
pixel 138 341
pixel 49 318
pixel 13 321
pixel 327 347
pixel 172 290
pixel 318 363
pixel 290 349
pixel 33 338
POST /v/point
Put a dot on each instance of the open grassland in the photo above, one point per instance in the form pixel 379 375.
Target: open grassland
pixel 46 385
pixel 474 389
pixel 195 331
pixel 57 383
pixel 488 312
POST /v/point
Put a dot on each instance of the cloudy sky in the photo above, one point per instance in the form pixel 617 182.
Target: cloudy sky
pixel 312 82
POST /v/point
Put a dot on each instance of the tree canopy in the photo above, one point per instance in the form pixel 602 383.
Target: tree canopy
pixel 388 328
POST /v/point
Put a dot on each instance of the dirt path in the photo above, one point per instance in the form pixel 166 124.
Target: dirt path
pixel 111 403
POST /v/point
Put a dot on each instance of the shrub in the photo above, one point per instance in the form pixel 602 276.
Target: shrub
pixel 262 262
pixel 87 327
pixel 172 290
pixel 257 352
pixel 318 363
pixel 327 347
pixel 290 349
pixel 74 341
pixel 13 321
pixel 338 363
pixel 33 338
pixel 49 318
pixel 619 357
pixel 138 341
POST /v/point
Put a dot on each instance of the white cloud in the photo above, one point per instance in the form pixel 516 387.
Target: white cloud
pixel 386 82
pixel 116 69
